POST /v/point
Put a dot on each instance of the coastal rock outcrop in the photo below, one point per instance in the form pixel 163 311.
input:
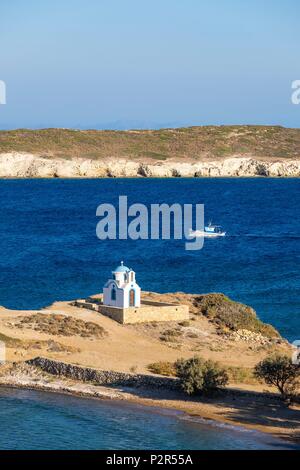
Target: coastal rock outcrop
pixel 251 337
pixel 27 165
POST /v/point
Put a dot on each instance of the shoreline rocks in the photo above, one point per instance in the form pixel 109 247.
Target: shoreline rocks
pixel 252 337
pixel 27 165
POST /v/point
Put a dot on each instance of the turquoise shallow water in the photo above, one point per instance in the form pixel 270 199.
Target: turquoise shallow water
pixel 49 250
pixel 38 420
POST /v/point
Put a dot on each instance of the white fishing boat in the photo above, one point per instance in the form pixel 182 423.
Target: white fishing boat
pixel 210 231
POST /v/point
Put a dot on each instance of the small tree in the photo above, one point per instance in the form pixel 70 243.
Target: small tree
pixel 198 376
pixel 279 371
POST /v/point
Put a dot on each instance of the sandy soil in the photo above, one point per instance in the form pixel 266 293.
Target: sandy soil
pixel 128 347
pixel 131 348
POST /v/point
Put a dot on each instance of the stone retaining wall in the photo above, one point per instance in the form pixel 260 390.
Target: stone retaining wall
pixel 103 377
pixel 156 312
pixel 149 311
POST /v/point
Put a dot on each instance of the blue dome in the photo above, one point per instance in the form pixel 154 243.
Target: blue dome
pixel 121 268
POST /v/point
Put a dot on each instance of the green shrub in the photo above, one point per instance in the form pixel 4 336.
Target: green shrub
pixel 199 376
pixel 232 315
pixel 279 371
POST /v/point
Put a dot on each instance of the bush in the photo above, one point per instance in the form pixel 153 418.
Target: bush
pixel 162 368
pixel 199 376
pixel 232 315
pixel 279 371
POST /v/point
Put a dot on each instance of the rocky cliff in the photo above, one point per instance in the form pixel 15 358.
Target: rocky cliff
pixel 27 165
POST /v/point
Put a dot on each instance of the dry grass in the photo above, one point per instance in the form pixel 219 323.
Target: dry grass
pixel 10 342
pixel 171 335
pixel 238 375
pixel 25 344
pixel 163 368
pixel 62 325
pixel 192 143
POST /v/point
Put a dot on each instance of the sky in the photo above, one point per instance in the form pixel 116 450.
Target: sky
pixel 148 63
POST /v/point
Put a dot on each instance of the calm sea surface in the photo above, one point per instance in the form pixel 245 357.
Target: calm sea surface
pixel 49 250
pixel 34 420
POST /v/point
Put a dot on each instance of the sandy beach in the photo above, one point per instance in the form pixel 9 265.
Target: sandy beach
pixel 239 407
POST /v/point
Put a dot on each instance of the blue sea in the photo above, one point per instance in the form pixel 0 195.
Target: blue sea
pixel 39 420
pixel 49 250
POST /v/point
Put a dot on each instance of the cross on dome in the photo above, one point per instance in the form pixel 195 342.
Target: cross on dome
pixel 121 268
pixel 121 290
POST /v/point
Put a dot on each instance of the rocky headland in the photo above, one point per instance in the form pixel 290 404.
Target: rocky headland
pixel 26 165
pixel 208 151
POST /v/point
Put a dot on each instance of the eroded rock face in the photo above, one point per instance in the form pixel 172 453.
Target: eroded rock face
pixel 26 165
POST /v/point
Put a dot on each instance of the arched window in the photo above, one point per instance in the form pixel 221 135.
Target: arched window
pixel 131 298
pixel 132 277
pixel 113 293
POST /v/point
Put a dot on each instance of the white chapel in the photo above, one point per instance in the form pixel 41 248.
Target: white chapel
pixel 122 291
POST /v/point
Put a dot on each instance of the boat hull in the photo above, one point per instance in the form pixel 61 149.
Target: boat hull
pixel 200 233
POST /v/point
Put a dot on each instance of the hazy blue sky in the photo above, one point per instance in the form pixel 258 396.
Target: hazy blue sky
pixel 139 63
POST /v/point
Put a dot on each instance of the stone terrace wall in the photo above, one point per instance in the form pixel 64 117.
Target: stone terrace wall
pixel 114 313
pixel 102 377
pixel 148 311
pixel 156 312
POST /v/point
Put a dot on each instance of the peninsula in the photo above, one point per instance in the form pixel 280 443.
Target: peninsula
pixel 208 151
pixel 69 348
